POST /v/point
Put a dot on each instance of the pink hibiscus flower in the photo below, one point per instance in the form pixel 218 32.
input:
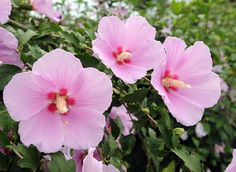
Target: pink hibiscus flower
pixel 122 114
pixel 5 11
pixel 45 7
pixel 186 81
pixel 232 166
pixel 59 103
pixel 128 48
pixel 89 162
pixel 8 49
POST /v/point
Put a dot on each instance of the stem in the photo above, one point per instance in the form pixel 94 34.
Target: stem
pixel 19 25
pixel 18 154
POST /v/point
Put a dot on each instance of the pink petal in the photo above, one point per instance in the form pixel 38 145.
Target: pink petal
pixel 95 91
pixel 46 7
pixel 59 67
pixel 90 164
pixel 104 51
pixel 196 60
pixel 174 50
pixel 112 31
pixel 138 31
pixel 26 95
pixel 78 158
pixel 148 55
pixel 44 130
pixel 205 89
pixel 84 128
pixel 5 11
pixel 128 73
pixel 109 168
pixel 8 48
pixel 184 110
pixel 232 166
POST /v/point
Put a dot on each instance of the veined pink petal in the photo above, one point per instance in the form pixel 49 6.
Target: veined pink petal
pixel 175 48
pixel 44 130
pixel 95 91
pixel 78 157
pixel 91 164
pixel 111 30
pixel 184 110
pixel 232 166
pixel 8 48
pixel 25 95
pixel 59 61
pixel 129 73
pixel 5 11
pixel 138 30
pixel 109 168
pixel 45 7
pixel 81 123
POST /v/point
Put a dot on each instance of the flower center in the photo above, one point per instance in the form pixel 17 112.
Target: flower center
pixel 170 81
pixel 60 101
pixel 122 56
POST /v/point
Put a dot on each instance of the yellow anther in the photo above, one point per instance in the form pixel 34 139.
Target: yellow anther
pixel 169 82
pixel 61 104
pixel 123 56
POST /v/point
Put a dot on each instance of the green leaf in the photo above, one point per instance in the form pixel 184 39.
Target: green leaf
pixel 6 73
pixel 3 139
pixel 31 158
pixel 24 37
pixel 170 167
pixel 60 164
pixel 190 160
pixel 136 97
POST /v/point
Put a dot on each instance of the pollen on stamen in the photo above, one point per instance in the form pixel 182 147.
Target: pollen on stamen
pixel 51 96
pixel 52 107
pixel 70 101
pixel 63 92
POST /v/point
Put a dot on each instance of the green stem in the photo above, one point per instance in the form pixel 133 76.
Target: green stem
pixel 19 25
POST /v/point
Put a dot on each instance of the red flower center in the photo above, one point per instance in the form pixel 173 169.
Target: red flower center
pixel 170 81
pixel 122 56
pixel 60 101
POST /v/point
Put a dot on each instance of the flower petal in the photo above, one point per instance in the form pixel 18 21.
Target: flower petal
pixel 138 31
pixel 196 60
pixel 174 50
pixel 90 164
pixel 25 95
pixel 128 73
pixel 205 89
pixel 5 11
pixel 44 130
pixel 109 168
pixel 84 128
pixel 148 55
pixel 59 67
pixel 232 166
pixel 184 110
pixel 95 91
pixel 112 31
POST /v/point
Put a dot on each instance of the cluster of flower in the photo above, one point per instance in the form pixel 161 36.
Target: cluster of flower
pixel 60 103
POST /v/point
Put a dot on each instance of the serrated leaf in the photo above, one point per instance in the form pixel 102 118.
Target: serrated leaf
pixel 136 97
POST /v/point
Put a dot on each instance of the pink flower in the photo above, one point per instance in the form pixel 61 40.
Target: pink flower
pixel 89 163
pixel 186 81
pixel 45 7
pixel 5 11
pixel 122 114
pixel 8 49
pixel 232 166
pixel 59 103
pixel 219 148
pixel 128 48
